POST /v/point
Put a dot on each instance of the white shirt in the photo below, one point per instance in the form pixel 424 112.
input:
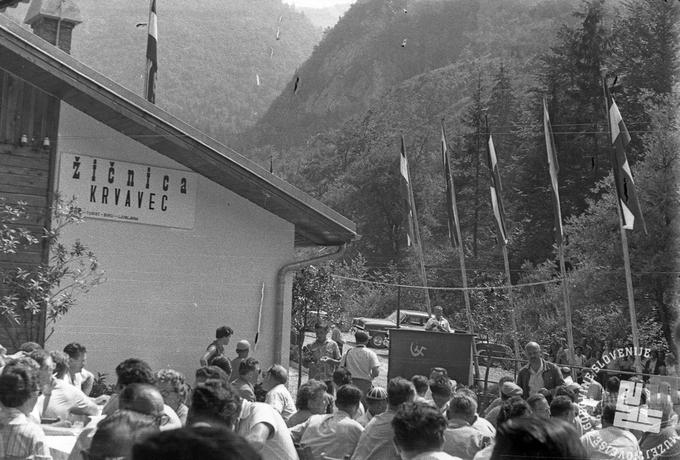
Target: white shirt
pixel 536 379
pixel 611 443
pixel 359 361
pixel 280 444
pixel 437 325
pixel 376 442
pixel 334 435
pixel 281 400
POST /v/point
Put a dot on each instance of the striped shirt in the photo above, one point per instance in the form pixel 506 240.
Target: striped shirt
pixel 21 438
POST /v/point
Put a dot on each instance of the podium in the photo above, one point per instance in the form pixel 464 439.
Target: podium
pixel 417 352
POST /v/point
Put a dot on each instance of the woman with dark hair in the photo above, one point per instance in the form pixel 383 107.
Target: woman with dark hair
pixel 521 438
pixel 311 400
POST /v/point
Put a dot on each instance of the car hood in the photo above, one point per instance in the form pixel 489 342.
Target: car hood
pixel 376 322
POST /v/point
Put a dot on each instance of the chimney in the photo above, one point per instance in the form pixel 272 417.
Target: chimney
pixel 54 20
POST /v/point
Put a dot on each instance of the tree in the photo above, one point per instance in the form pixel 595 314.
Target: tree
pixel 35 297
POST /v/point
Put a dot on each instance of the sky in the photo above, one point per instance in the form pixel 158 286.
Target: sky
pixel 316 3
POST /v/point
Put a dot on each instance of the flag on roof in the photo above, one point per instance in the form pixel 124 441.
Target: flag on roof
pixel 151 55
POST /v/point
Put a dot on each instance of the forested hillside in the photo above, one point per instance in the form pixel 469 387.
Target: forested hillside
pixel 210 54
pixel 492 78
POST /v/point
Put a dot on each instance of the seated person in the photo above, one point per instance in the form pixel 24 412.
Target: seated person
pixel 171 385
pixel 376 404
pixel 278 396
pixel 135 370
pixel 77 375
pixel 205 373
pixel 441 390
pixel 195 442
pixel 335 435
pixel 528 436
pixel 60 400
pixel 223 363
pixel 248 376
pixel 213 404
pixel 460 438
pixel 117 433
pixel 20 437
pixel 311 399
pixel 419 432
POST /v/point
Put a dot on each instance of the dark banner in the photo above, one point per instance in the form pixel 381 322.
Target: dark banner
pixel 417 352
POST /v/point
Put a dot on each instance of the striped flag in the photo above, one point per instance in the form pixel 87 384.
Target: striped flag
pixel 554 168
pixel 495 189
pixel 151 56
pixel 625 186
pixel 451 208
pixel 408 193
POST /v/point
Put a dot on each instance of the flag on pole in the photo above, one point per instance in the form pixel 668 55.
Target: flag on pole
pixel 408 192
pixel 451 209
pixel 554 168
pixel 625 186
pixel 495 189
pixel 151 56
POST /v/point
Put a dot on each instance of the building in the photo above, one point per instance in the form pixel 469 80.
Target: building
pixel 187 231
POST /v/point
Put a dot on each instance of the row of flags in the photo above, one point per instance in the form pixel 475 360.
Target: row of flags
pixel 625 186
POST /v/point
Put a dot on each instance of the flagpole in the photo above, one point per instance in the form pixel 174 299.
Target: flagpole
pixel 552 158
pixel 624 248
pixel 511 298
pixel 419 245
pixel 461 253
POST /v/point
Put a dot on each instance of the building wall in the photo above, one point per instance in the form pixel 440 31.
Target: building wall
pixel 167 289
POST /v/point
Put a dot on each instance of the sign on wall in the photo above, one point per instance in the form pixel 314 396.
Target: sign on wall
pixel 128 192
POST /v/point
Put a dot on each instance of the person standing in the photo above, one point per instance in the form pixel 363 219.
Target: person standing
pixel 362 363
pixel 322 356
pixel 242 351
pixel 222 336
pixel 336 336
pixel 438 323
pixel 538 373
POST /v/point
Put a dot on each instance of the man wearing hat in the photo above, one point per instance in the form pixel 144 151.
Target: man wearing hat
pixel 508 390
pixel 376 403
pixel 362 363
pixel 438 323
pixel 242 350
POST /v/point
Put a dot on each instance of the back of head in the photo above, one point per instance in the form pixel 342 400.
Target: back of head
pixel 206 373
pixel 342 376
pixel 347 396
pixel 308 391
pixel 418 427
pixel 134 370
pixel 143 398
pixel 18 383
pixel 529 437
pixel 399 391
pixel 561 406
pixel 462 407
pixel 29 347
pixel 248 365
pixel 278 373
pixel 421 384
pixel 74 350
pixel 515 407
pixel 441 386
pixel 195 442
pixel 361 337
pixel 60 362
pixel 613 384
pixel 222 362
pixel 117 433
pixel 213 402
pixel 564 390
pixel 223 331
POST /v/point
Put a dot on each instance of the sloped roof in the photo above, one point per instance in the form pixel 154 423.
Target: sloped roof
pixel 36 61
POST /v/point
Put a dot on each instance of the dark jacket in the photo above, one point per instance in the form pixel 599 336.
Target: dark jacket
pixel 552 377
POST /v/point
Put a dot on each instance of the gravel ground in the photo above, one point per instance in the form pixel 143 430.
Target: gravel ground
pixel 494 373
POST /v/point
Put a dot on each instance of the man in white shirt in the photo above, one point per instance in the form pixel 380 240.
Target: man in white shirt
pixel 278 396
pixel 77 375
pixel 333 435
pixel 265 430
pixel 362 363
pixel 610 442
pixel 438 323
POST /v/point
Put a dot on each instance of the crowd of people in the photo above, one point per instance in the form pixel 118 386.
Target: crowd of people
pixel 235 410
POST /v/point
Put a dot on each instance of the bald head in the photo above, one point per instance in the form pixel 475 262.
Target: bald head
pixel 143 398
pixel 533 351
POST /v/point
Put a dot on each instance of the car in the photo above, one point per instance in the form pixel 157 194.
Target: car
pixel 378 329
pixel 489 352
